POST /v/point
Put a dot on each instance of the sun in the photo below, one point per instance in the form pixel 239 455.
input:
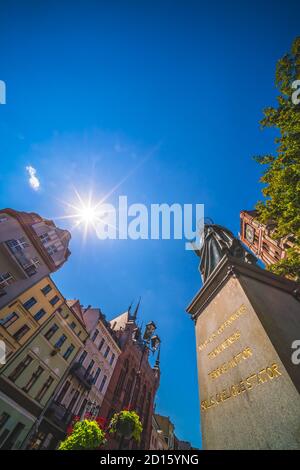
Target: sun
pixel 84 213
pixel 88 214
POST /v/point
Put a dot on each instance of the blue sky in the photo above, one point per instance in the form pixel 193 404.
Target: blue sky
pixel 166 94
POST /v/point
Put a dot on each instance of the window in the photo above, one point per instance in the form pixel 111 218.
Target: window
pixel 44 388
pixel 13 436
pixel 82 408
pixel 29 303
pixel 39 314
pixel 73 325
pixel 54 300
pixel 82 357
pixel 3 419
pixel 121 379
pixel 32 263
pixel 18 244
pixel 9 319
pixel 90 366
pixel 30 267
pixel 60 341
pixel 20 368
pixel 3 436
pixel 101 344
pixel 107 351
pixel 63 392
pixel 46 289
pixel 69 351
pixel 3 218
pixel 64 314
pixel 33 379
pixel 97 375
pixel 103 383
pixel 45 238
pixel 21 332
pixel 95 335
pixel 51 331
pixel 6 279
pixel 112 359
pixel 52 250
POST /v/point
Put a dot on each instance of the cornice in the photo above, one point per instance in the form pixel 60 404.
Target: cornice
pixel 233 267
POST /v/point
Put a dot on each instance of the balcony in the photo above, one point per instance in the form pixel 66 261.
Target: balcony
pixel 82 375
pixel 60 415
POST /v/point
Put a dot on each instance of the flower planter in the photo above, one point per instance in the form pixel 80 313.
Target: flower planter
pixel 125 428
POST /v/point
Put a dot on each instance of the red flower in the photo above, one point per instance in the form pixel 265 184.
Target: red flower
pixel 69 429
pixel 101 422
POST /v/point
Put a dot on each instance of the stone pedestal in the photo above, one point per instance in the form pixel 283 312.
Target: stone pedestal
pixel 246 320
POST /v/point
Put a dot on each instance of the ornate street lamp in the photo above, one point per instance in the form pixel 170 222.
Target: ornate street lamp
pixel 149 342
pixel 155 342
pixel 149 330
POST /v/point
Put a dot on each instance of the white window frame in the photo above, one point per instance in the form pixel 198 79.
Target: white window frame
pixel 6 278
pixel 18 243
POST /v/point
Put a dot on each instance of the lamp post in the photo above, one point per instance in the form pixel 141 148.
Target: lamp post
pixel 149 342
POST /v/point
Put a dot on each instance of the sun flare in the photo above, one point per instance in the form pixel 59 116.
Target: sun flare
pixel 84 213
pixel 88 214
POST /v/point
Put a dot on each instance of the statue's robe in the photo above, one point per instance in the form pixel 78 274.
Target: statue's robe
pixel 216 242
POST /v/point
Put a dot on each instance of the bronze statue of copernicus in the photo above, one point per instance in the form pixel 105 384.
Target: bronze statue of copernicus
pixel 218 241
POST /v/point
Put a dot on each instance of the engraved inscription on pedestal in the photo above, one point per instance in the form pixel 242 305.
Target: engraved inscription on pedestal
pixel 247 398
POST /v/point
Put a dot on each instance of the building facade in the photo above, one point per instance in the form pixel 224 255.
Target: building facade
pixel 23 316
pixel 157 441
pixel 31 247
pixel 32 374
pixel 258 238
pixel 182 445
pixel 167 428
pixel 134 382
pixel 85 386
pixel 61 360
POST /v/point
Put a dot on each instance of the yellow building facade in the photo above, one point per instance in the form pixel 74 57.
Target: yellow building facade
pixel 22 317
pixel 37 363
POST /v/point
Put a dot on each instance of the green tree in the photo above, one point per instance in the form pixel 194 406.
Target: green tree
pixel 282 174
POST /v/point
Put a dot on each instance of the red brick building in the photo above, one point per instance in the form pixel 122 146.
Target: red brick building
pixel 258 238
pixel 133 380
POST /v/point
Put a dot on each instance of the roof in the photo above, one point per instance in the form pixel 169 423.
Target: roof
pixel 120 321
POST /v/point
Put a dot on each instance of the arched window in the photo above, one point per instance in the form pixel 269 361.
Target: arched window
pixel 136 392
pixel 142 401
pixel 128 390
pixel 147 409
pixel 121 380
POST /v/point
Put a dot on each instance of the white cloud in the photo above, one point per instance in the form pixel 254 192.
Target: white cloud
pixel 34 182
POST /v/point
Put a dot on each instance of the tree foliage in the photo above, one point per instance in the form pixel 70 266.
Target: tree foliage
pixel 282 173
